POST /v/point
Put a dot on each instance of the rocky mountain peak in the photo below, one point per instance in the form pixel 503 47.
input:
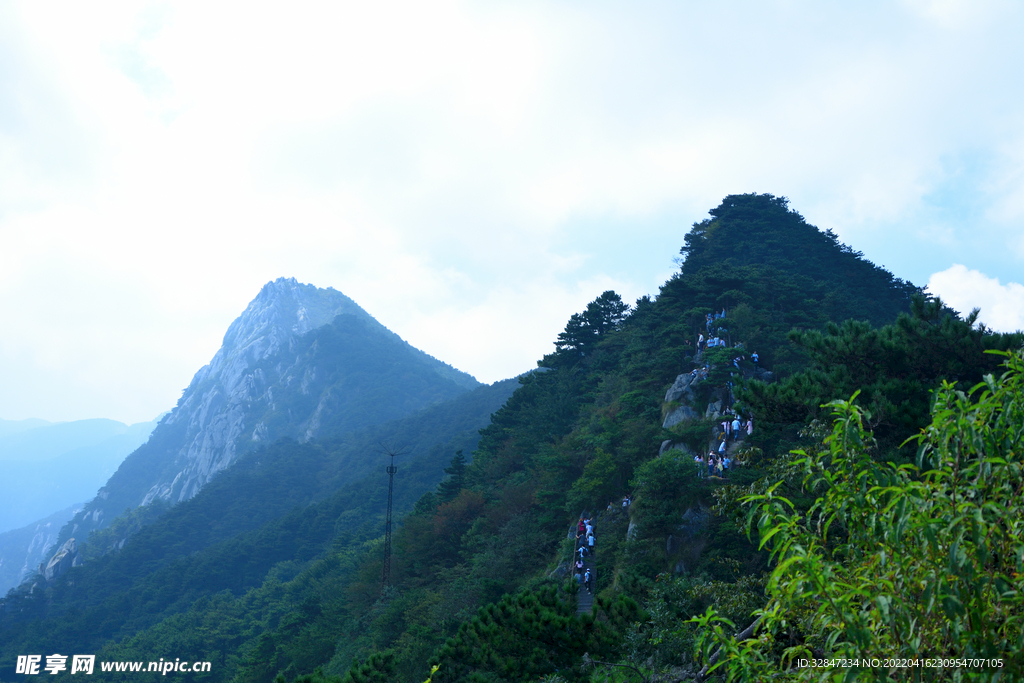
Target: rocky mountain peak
pixel 283 310
pixel 299 360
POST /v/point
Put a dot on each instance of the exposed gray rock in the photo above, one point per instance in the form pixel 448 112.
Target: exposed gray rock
pixel 63 560
pixel 668 446
pixel 680 414
pixel 714 410
pixel 560 572
pixel 681 387
pixel 689 539
pixel 215 405
pixel 22 550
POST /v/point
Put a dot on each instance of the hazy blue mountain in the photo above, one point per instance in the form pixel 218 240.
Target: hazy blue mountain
pixel 49 467
pixel 300 362
pixel 21 550
pixel 48 440
pixel 8 427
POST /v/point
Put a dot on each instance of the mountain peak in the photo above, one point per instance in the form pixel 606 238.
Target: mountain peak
pixel 283 310
pixel 299 362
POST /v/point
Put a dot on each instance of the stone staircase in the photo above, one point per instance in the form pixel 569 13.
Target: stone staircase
pixel 585 598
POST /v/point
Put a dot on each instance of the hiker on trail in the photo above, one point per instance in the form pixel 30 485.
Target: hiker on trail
pixel 580 528
pixel 699 462
pixel 711 465
pixel 579 565
pixel 736 426
pixel 750 426
pixel 586 581
pixel 700 342
pixel 753 357
pixel 579 578
pixel 583 552
pixel 721 446
pixel 590 543
pixel 719 466
pixel 726 461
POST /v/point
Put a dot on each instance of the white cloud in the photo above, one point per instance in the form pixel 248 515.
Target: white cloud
pixel 448 164
pixel 1002 306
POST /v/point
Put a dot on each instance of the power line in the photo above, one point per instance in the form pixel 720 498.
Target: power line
pixel 391 470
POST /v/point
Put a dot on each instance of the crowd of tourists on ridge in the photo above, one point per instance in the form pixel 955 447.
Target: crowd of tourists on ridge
pixel 585 548
pixel 733 426
pixel 714 464
pixel 718 463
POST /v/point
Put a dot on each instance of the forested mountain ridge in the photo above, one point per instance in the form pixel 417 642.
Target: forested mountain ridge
pixel 263 518
pixel 586 432
pixel 300 362
pixel 481 573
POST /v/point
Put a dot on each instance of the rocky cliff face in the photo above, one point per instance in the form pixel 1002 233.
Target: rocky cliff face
pixel 214 408
pixel 300 362
pixel 22 550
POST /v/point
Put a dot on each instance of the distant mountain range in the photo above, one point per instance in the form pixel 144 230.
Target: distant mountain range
pixel 51 466
pixel 48 471
pixel 22 550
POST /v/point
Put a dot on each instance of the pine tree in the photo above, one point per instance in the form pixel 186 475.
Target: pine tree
pixel 449 488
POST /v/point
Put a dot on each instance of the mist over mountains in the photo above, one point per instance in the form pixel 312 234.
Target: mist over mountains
pixel 49 471
pixel 50 466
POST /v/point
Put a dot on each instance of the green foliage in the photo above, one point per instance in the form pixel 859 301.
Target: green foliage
pixel 532 634
pixel 667 637
pixel 664 488
pixel 595 486
pixel 378 668
pixel 894 368
pixel 449 488
pixel 584 330
pixel 909 561
pixel 695 434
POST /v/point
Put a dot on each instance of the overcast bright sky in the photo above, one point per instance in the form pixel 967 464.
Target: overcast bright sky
pixel 470 173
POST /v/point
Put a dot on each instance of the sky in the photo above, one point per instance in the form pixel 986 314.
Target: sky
pixel 470 173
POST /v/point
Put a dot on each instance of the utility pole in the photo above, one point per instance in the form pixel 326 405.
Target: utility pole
pixel 387 526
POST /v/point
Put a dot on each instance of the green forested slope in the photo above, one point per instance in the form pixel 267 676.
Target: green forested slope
pixel 283 503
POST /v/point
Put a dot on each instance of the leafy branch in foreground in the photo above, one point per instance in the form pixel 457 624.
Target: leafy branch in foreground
pixel 897 562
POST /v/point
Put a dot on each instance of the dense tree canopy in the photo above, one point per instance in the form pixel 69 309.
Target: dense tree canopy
pixel 909 562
